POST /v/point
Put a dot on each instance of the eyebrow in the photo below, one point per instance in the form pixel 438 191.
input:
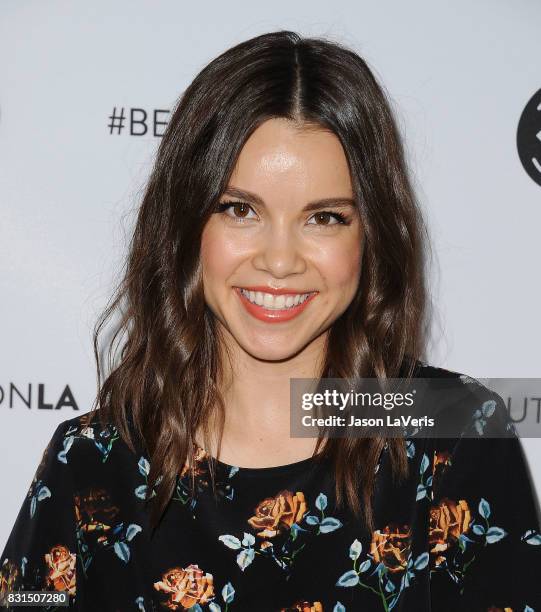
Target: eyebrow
pixel 235 192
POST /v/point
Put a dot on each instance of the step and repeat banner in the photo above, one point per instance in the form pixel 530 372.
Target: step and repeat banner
pixel 86 91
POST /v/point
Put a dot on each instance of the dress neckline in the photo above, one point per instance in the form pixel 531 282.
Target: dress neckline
pixel 274 470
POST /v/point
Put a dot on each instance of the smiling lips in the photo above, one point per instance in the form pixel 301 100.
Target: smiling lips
pixel 273 305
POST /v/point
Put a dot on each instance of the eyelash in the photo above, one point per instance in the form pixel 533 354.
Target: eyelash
pixel 341 218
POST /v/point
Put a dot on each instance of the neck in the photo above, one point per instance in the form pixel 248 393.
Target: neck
pixel 256 396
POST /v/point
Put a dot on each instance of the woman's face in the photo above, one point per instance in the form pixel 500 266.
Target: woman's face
pixel 277 244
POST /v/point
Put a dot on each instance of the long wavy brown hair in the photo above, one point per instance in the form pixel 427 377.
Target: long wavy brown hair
pixel 160 387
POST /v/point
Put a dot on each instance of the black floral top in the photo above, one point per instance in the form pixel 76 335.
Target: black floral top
pixel 461 533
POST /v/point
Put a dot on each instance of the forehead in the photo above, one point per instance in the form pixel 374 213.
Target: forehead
pixel 285 160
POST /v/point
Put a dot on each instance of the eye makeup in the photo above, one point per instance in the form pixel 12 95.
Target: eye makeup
pixel 341 218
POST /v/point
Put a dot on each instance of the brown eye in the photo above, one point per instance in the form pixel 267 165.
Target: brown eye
pixel 323 216
pixel 239 210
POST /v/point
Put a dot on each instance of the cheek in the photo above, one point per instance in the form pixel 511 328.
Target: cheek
pixel 220 255
pixel 340 264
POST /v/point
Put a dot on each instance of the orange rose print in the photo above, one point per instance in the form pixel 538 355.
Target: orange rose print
pixel 95 510
pixel 274 514
pixel 441 457
pixel 448 521
pixel 60 569
pixel 493 609
pixel 9 573
pixel 391 546
pixel 304 606
pixel 199 455
pixel 186 587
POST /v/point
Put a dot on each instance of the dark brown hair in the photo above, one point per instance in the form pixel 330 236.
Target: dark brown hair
pixel 163 385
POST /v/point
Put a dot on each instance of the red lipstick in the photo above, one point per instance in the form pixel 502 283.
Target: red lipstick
pixel 273 315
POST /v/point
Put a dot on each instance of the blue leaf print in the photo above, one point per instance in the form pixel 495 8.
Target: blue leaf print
pixel 494 534
pixel 144 466
pixel 312 520
pixel 196 608
pixel 531 537
pixel 66 443
pixel 403 584
pixel 296 529
pixel 488 408
pixel 355 549
pixel 43 493
pixel 406 578
pixel 425 462
pixel 365 566
pixel 118 528
pixel 421 492
pixel 248 539
pixel 122 550
pixel 421 561
pixel 214 607
pixel 484 508
pixel 230 541
pixel 245 557
pixel 480 426
pixel 349 579
pixel 140 601
pixel 329 524
pixel 338 607
pixel 132 531
pixel 228 593
pixel 478 529
pixel 321 501
pixel 141 491
pixel 380 569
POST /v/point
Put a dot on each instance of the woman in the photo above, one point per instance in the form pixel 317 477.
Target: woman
pixel 278 238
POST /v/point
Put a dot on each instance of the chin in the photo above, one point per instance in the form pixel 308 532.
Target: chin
pixel 277 351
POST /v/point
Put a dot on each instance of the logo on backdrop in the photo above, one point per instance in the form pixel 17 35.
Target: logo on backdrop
pixel 36 397
pixel 137 121
pixel 529 137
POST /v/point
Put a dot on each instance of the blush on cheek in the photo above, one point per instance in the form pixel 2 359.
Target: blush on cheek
pixel 215 256
pixel 345 272
pixel 346 278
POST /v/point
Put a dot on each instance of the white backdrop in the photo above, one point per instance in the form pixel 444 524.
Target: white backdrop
pixel 460 76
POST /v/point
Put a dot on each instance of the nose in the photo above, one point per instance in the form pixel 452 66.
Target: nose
pixel 279 252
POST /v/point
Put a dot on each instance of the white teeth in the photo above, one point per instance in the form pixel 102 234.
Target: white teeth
pixel 268 300
pixel 280 301
pixel 275 302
